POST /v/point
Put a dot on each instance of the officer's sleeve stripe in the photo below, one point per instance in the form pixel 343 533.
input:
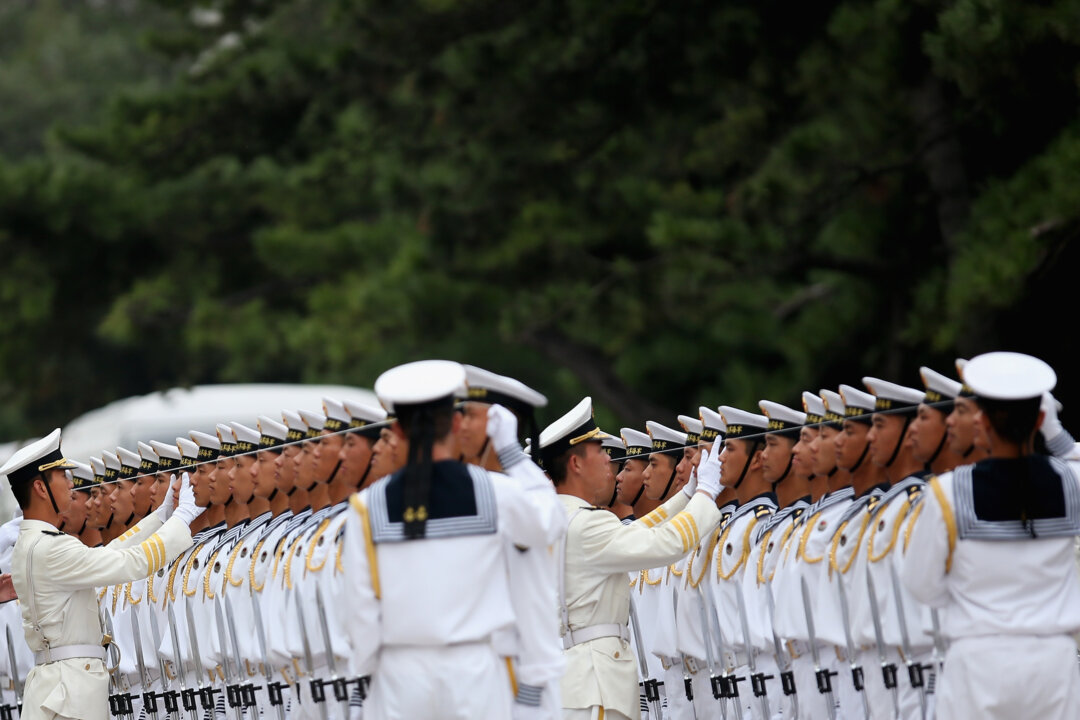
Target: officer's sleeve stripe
pixel 692 524
pixel 678 523
pixel 655 517
pixel 147 548
pixel 160 544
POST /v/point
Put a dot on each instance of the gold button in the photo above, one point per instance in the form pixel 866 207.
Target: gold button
pixel 87 666
pixel 616 653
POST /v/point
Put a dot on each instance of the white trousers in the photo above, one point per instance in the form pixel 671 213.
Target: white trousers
pixel 459 682
pixel 1003 678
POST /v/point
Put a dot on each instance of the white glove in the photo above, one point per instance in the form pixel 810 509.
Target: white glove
pixel 502 428
pixel 708 473
pixel 691 485
pixel 1059 442
pixel 165 510
pixel 187 510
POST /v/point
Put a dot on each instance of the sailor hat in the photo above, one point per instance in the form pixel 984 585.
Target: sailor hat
pixel 741 423
pixel 189 452
pixel 82 476
pixel 892 398
pixel 858 405
pixel 938 387
pixel 98 466
pixel 209 445
pixel 315 422
pixel 664 439
pixel 814 407
pixel 423 382
pixel 573 428
pixel 168 455
pixel 712 425
pixel 366 419
pixel 112 465
pixel 782 420
pixel 835 410
pixel 337 418
pixel 297 428
pixel 247 439
pixel 637 443
pixel 692 427
pixel 37 457
pixel 1009 376
pixel 614 447
pixel 965 389
pixel 485 386
pixel 272 434
pixel 148 458
pixel 227 438
pixel 129 463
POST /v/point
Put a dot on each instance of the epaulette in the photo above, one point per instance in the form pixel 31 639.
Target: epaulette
pixel 763 511
pixel 55 533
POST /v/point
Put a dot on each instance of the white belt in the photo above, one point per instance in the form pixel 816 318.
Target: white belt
pixel 593 632
pixel 67 652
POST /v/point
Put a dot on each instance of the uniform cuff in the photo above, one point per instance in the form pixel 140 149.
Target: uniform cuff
pixel 1061 445
pixel 511 455
pixel 529 694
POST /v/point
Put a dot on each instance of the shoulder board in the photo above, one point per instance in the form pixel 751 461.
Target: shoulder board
pixel 593 507
pixel 57 533
pixel 763 511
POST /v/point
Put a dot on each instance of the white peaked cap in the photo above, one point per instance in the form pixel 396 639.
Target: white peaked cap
pixel 693 427
pixel 187 448
pixel 576 426
pixel 33 458
pixel 938 387
pixel 314 420
pixel 130 460
pixel 364 413
pixel 488 387
pixel 272 428
pixel 419 383
pixel 1009 376
pixel 663 437
pixel 205 441
pixel 814 407
pixel 781 417
pixel 112 462
pixel 244 434
pixel 82 470
pixel 165 450
pixel 147 452
pixel 857 400
pixel 834 404
pixel 334 410
pixel 890 396
pixel 98 466
pixel 610 441
pixel 293 421
pixel 712 422
pixel 225 433
pixel 636 442
pixel 741 423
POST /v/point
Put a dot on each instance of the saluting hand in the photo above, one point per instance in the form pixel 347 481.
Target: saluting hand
pixel 708 473
pixel 502 427
pixel 7 588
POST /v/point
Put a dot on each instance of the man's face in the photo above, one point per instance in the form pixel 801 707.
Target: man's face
pixel 263 471
pixel 595 468
pixel 305 466
pixel 325 453
pixel 61 488
pixel 220 492
pixel 685 466
pixel 733 460
pixel 123 499
pixel 200 483
pixel 241 479
pixel 884 437
pixel 657 474
pixel 850 443
pixel 355 456
pixel 390 453
pixel 143 493
pixel 823 448
pixel 76 513
pixel 926 433
pixel 285 468
pixel 162 486
pixel 473 431
pixel 629 480
pixel 803 454
pixel 100 505
pixel 961 425
pixel 775 457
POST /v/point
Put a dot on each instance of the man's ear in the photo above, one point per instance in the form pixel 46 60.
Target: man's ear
pixel 757 461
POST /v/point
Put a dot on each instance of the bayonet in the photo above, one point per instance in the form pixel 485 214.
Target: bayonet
pixel 783 660
pixel 652 687
pixel 340 685
pixel 16 683
pixel 273 688
pixel 822 674
pixel 187 695
pixel 849 645
pixel 915 669
pixel 757 680
pixel 120 701
pixel 148 696
pixel 232 685
pixel 888 669
pixel 315 683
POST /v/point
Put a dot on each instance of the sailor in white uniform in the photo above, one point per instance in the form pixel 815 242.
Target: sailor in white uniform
pixel 993 549
pixel 55 576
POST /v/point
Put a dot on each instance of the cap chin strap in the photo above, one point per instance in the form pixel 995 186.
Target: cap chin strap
pixel 638 496
pixel 940 447
pixel 862 457
pixel 83 528
pixel 971 449
pixel 272 495
pixel 48 489
pixel 367 471
pixel 832 472
pixel 791 459
pixel 667 488
pixel 746 467
pixel 108 523
pixel 330 479
pixel 900 442
pixel 127 523
pixel 614 494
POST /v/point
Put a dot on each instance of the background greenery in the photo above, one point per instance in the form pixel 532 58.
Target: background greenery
pixel 659 204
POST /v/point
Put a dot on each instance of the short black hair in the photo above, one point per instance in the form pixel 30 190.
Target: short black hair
pixel 556 469
pixel 21 491
pixel 441 415
pixel 1013 420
